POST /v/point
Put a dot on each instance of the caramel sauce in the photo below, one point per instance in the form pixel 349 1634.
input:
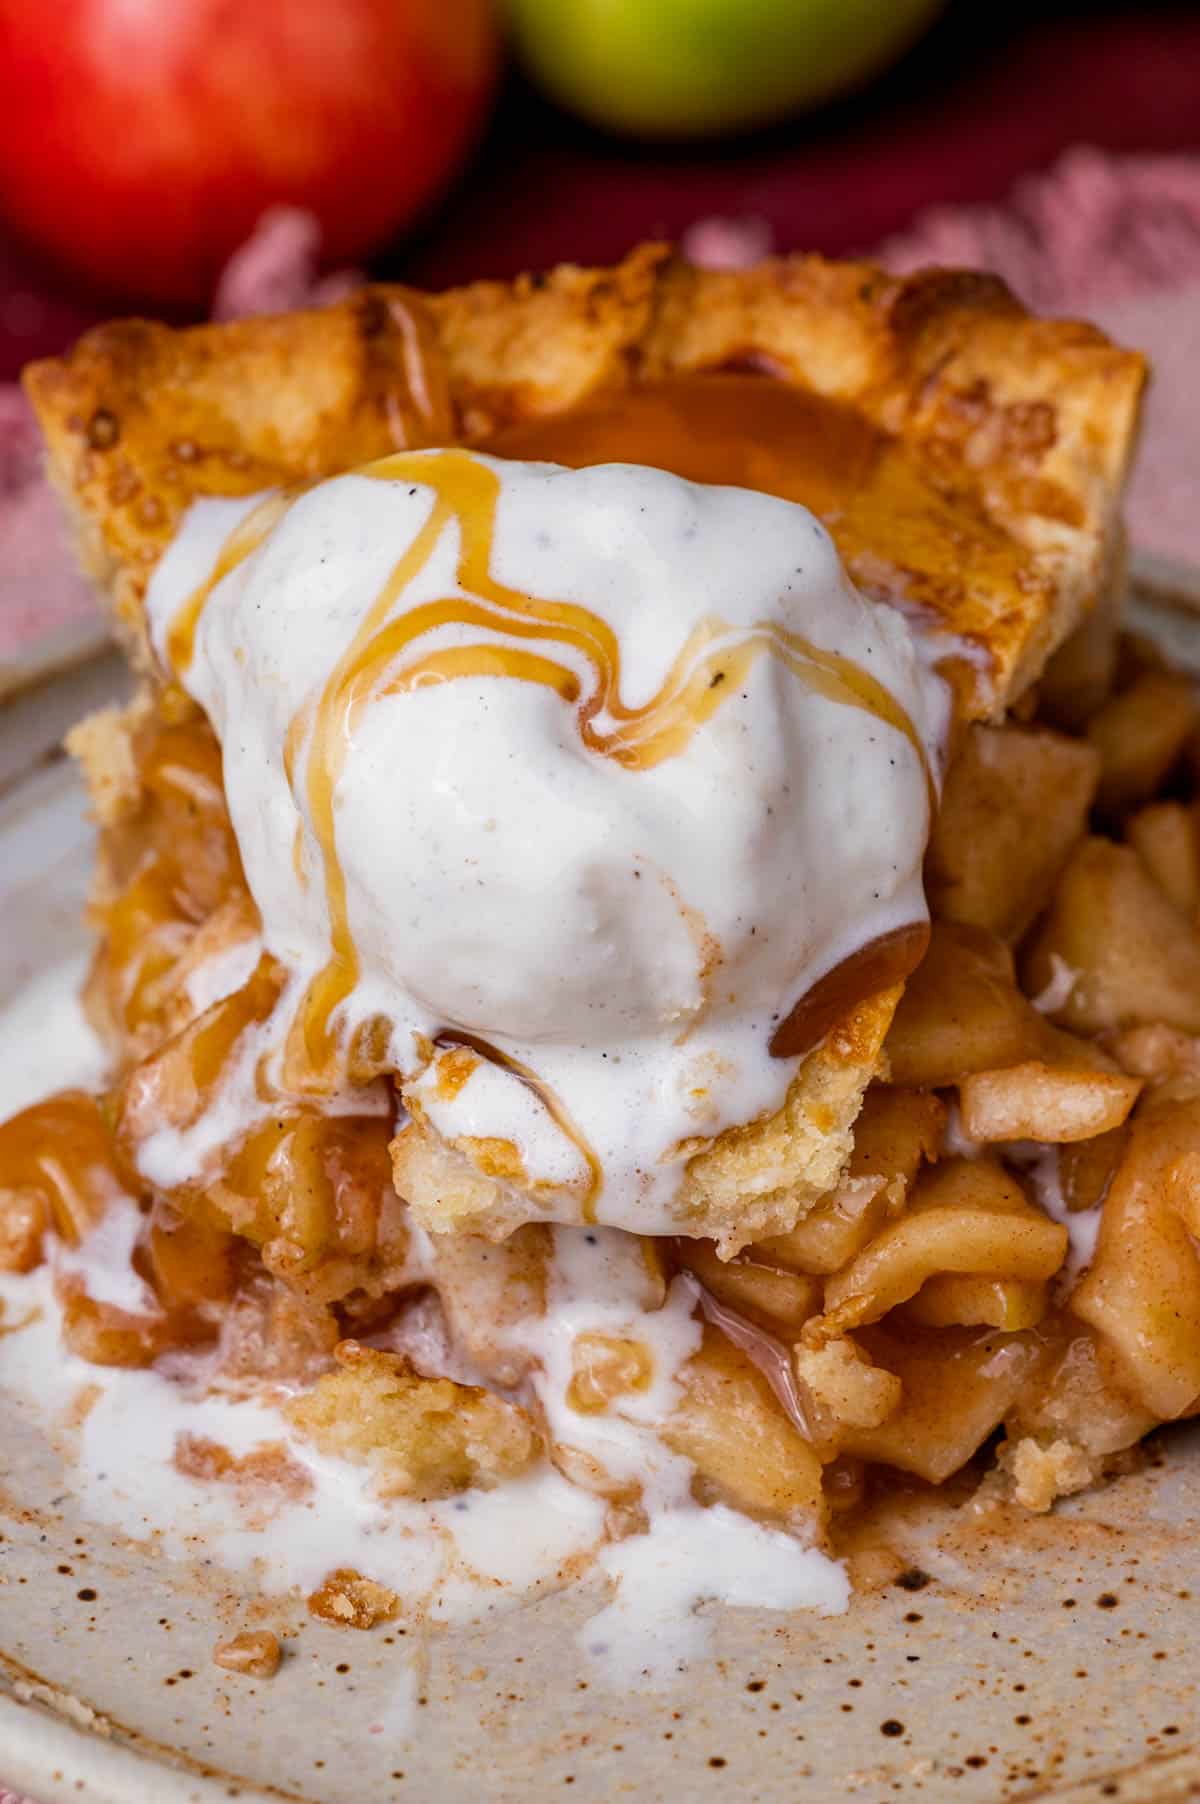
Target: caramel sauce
pixel 175 1084
pixel 713 426
pixel 145 936
pixel 246 537
pixel 605 1367
pixel 316 1183
pixel 189 1261
pixel 218 1031
pixel 877 966
pixel 179 763
pixel 60 1151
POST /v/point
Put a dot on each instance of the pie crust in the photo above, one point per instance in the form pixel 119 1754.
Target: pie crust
pixel 996 505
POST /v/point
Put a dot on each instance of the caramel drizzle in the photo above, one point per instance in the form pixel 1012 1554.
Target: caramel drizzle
pixel 561 1116
pixel 245 538
pixel 713 662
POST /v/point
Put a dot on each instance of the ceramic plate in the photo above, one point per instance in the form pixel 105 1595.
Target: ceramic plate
pixel 988 1657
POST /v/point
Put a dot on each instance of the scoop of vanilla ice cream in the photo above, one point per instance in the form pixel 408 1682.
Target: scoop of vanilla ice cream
pixel 621 929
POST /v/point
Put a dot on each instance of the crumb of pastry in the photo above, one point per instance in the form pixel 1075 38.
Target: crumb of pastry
pixel 255 1652
pixel 350 1601
pixel 845 1387
pixel 1040 1475
pixel 102 745
pixel 420 1437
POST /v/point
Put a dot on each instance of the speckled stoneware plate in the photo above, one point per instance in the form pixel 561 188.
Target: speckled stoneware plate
pixel 989 1657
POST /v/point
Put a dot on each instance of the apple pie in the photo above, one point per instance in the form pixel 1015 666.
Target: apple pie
pixel 648 913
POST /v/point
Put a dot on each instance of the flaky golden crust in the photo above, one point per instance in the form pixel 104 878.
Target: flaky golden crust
pixel 1007 437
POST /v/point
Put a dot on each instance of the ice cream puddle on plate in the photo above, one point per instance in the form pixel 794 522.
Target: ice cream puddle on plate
pixel 581 803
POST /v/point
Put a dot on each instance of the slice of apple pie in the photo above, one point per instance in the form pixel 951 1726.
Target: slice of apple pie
pixel 530 1042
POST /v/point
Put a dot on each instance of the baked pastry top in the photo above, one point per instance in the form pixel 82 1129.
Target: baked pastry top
pixel 967 457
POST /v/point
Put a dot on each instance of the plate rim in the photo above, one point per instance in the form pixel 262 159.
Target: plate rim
pixel 60 1761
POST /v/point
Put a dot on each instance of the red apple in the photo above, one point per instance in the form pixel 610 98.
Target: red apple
pixel 140 140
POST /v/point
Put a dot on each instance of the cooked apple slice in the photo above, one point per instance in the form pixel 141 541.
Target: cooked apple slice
pixel 962 1011
pixel 1135 957
pixel 1054 1099
pixel 1165 838
pixel 1140 734
pixel 1015 802
pixel 966 1215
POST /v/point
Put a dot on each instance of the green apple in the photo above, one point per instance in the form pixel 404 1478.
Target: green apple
pixel 681 68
